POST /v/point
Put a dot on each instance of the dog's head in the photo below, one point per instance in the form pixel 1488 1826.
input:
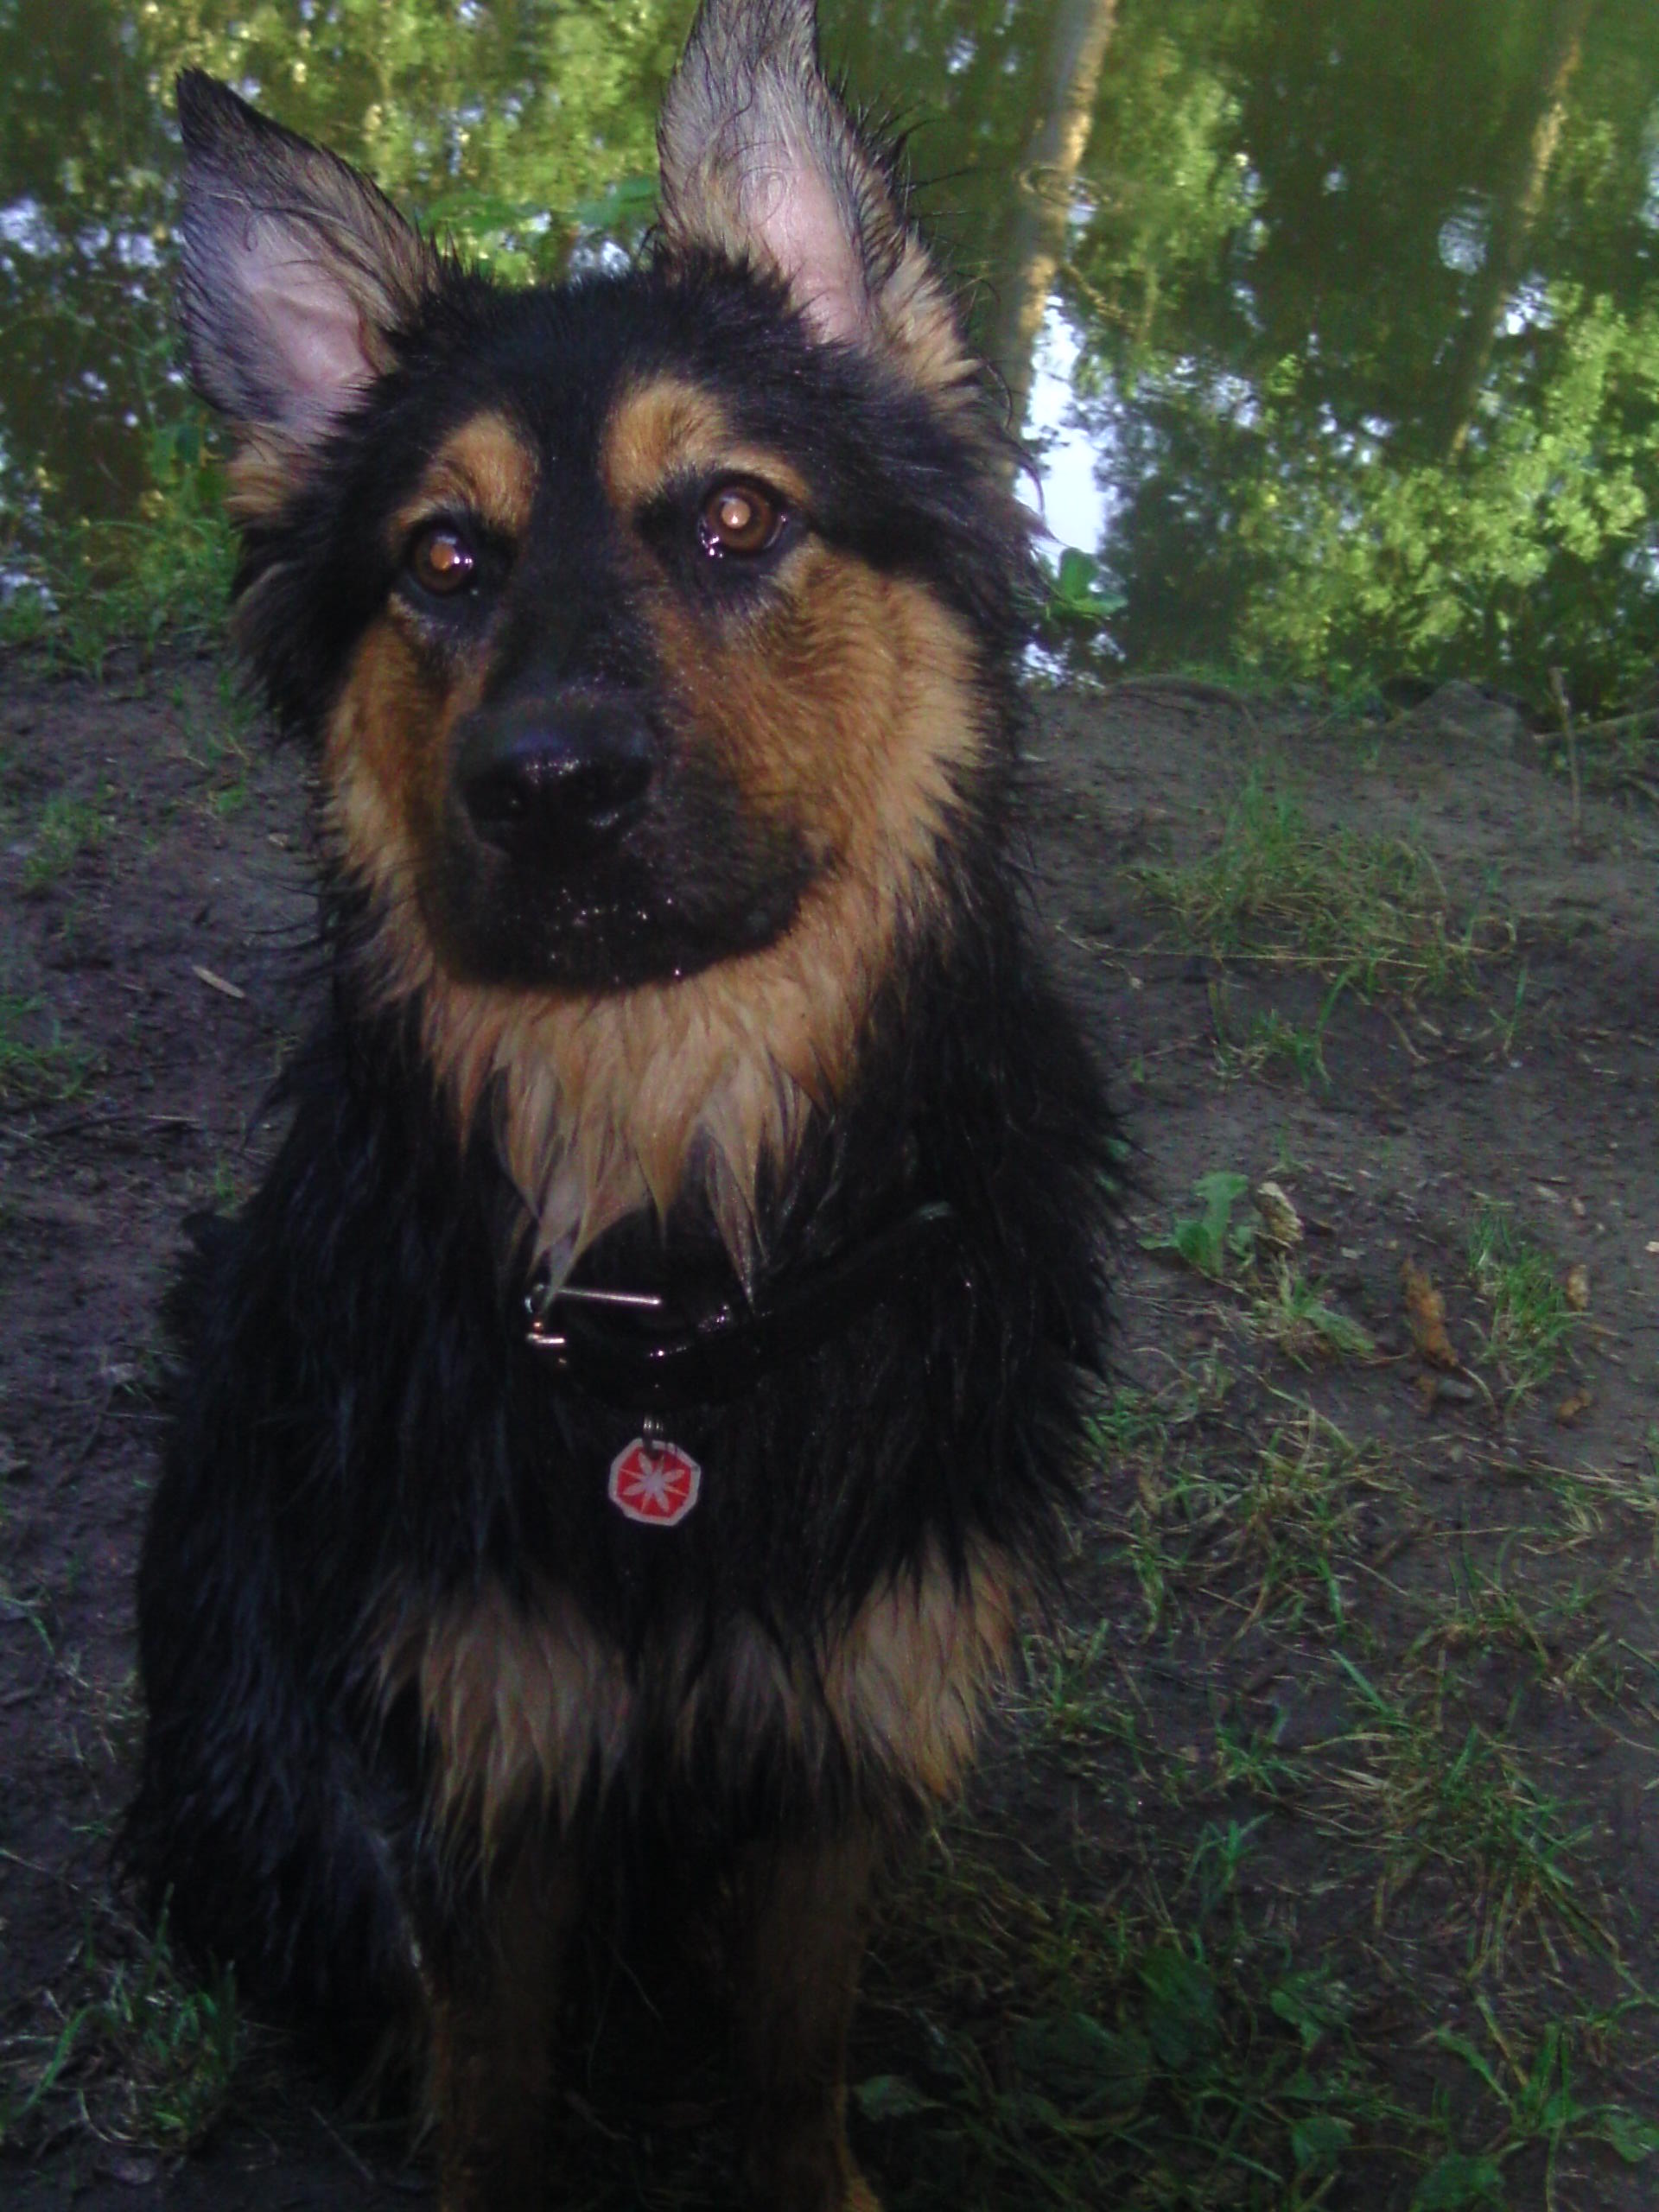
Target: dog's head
pixel 650 628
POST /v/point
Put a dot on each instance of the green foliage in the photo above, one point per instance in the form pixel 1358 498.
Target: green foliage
pixel 37 1062
pixel 1372 909
pixel 1209 1241
pixel 1343 438
pixel 96 584
pixel 1533 1320
pixel 66 827
pixel 152 2054
pixel 1541 2104
pixel 1076 594
pixel 1293 1316
pixel 1137 2063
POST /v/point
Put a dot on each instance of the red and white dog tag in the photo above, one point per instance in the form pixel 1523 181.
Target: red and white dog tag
pixel 653 1481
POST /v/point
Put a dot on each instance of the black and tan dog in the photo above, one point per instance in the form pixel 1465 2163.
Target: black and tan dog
pixel 622 1429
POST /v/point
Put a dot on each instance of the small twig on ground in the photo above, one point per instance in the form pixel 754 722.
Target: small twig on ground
pixel 1558 692
pixel 1617 722
pixel 364 2172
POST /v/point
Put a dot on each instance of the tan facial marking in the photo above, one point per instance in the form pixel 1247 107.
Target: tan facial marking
pixel 611 1102
pixel 669 428
pixel 486 467
pixel 841 712
pixel 384 757
pixel 386 749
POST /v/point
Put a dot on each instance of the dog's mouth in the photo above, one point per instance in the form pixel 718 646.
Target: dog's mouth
pixel 583 848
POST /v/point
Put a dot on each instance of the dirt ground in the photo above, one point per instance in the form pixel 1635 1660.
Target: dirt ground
pixel 1354 1696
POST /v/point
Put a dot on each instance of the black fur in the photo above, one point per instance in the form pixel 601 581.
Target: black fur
pixel 360 1420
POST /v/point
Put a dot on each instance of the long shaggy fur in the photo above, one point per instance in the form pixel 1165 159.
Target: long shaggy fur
pixel 408 1669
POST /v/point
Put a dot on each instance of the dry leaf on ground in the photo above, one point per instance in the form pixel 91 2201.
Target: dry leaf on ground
pixel 1280 1222
pixel 1426 1311
pixel 1576 1289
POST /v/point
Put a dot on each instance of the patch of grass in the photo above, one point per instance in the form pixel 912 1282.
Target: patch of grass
pixel 66 827
pixel 1078 2054
pixel 37 1062
pixel 1272 1528
pixel 147 2060
pixel 99 584
pixel 1273 1044
pixel 1373 909
pixel 1537 2093
pixel 1469 1803
pixel 1293 1316
pixel 1320 1804
pixel 1293 1517
pixel 1533 1317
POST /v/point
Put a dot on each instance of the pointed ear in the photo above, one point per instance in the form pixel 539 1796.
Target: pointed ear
pixel 297 272
pixel 761 161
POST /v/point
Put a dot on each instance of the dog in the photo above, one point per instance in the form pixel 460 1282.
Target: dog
pixel 615 1445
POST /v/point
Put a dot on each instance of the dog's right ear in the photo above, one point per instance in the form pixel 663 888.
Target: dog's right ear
pixel 298 274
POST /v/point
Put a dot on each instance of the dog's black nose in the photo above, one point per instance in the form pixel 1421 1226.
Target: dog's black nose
pixel 550 779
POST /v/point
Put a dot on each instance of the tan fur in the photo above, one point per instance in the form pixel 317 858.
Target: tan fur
pixel 907 1681
pixel 264 474
pixel 665 428
pixel 842 713
pixel 527 1705
pixel 850 730
pixel 523 1703
pixel 487 467
pixel 386 751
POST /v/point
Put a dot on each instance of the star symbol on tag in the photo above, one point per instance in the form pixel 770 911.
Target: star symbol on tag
pixel 654 1482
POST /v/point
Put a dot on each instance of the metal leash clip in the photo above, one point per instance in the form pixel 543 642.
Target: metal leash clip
pixel 543 1295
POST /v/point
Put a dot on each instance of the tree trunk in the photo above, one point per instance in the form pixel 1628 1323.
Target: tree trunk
pixel 1533 135
pixel 1034 242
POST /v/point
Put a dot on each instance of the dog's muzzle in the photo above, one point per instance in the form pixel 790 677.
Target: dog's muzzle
pixel 553 779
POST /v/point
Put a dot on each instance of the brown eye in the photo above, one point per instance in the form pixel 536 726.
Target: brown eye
pixel 440 560
pixel 740 518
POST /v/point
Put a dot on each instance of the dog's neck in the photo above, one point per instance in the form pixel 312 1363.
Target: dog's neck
pixel 700 1090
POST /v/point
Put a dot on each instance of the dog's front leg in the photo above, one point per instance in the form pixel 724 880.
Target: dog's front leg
pixel 494 2013
pixel 797 1944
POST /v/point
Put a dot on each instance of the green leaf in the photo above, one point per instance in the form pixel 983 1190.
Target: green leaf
pixel 1461 2047
pixel 890 2096
pixel 1083 2066
pixel 1075 591
pixel 1627 2136
pixel 1317 2140
pixel 1459 2182
pixel 1180 2007
pixel 1311 2003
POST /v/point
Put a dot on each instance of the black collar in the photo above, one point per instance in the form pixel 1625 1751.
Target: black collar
pixel 633 1350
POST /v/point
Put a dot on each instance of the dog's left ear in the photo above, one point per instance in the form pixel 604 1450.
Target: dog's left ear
pixel 761 161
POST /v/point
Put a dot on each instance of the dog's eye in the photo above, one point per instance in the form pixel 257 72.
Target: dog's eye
pixel 741 519
pixel 440 560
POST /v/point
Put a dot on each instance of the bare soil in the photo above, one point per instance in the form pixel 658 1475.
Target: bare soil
pixel 1491 1560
